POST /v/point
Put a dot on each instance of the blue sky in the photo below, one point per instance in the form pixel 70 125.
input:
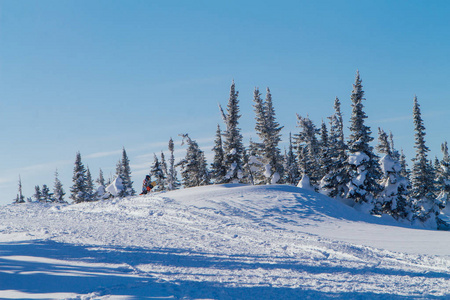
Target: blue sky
pixel 96 76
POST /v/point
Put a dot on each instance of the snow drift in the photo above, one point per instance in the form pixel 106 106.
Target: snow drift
pixel 217 242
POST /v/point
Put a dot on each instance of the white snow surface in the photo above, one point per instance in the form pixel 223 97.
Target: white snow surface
pixel 217 242
pixel 115 187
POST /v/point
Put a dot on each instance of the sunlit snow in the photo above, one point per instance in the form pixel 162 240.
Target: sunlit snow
pixel 217 242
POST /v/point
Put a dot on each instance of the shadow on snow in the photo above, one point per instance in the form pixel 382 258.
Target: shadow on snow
pixel 45 267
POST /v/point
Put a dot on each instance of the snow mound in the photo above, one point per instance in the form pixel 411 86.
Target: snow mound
pixel 217 242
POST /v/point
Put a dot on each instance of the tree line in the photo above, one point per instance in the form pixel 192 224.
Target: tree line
pixel 320 158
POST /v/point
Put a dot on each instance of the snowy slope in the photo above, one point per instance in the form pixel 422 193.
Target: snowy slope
pixel 217 242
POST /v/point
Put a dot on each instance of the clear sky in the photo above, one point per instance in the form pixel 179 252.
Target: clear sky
pixel 96 76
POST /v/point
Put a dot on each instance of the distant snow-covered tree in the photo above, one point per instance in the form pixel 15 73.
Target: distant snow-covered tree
pixel 37 193
pixel 268 131
pixel 193 167
pixel 254 164
pixel 20 197
pixel 362 165
pixel 172 180
pixel 163 186
pixel 232 144
pixel 78 189
pixel 218 168
pixel 334 183
pixel 205 176
pixel 292 176
pixel 405 172
pixel 157 172
pixel 393 199
pixel 58 191
pixel 307 141
pixel 101 180
pixel 443 178
pixel 422 177
pixel 90 191
pixel 325 156
pixel 101 193
pixel 46 195
pixel 124 171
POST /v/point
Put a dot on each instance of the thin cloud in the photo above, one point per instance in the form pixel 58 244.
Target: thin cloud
pixel 104 154
pixel 431 114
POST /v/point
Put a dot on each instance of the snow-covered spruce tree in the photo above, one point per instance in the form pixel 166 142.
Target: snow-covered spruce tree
pixel 292 176
pixel 362 164
pixel 193 167
pixel 393 199
pixel 443 178
pixel 395 154
pixel 305 181
pixel 20 197
pixel 218 170
pixel 90 191
pixel 100 192
pixel 325 156
pixel 254 164
pixel 422 177
pixel 101 180
pixel 157 172
pixel 58 191
pixel 205 175
pixel 334 183
pixel 308 142
pixel 272 151
pixel 172 180
pixel 46 195
pixel 405 172
pixel 163 186
pixel 78 189
pixel 37 193
pixel 268 131
pixel 125 174
pixel 232 144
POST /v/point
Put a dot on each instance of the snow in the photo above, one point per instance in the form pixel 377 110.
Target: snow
pixel 305 183
pixel 217 242
pixel 388 165
pixel 115 187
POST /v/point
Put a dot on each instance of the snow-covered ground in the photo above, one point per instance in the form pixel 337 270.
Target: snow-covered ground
pixel 217 242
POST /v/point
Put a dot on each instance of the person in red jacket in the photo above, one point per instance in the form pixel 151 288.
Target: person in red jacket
pixel 146 185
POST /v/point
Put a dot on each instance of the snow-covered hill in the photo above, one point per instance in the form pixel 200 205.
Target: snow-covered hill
pixel 217 242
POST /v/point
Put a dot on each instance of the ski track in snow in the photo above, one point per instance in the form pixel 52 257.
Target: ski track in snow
pixel 217 242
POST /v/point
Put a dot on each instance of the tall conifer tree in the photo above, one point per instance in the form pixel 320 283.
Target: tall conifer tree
pixel 271 137
pixel 58 191
pixel 363 168
pixel 334 184
pixel 422 177
pixel 232 144
pixel 172 180
pixel 308 149
pixel 218 170
pixel 90 191
pixel 443 178
pixel 193 167
pixel 393 199
pixel 78 189
pixel 157 173
pixel 125 174
pixel 20 197
pixel 292 175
